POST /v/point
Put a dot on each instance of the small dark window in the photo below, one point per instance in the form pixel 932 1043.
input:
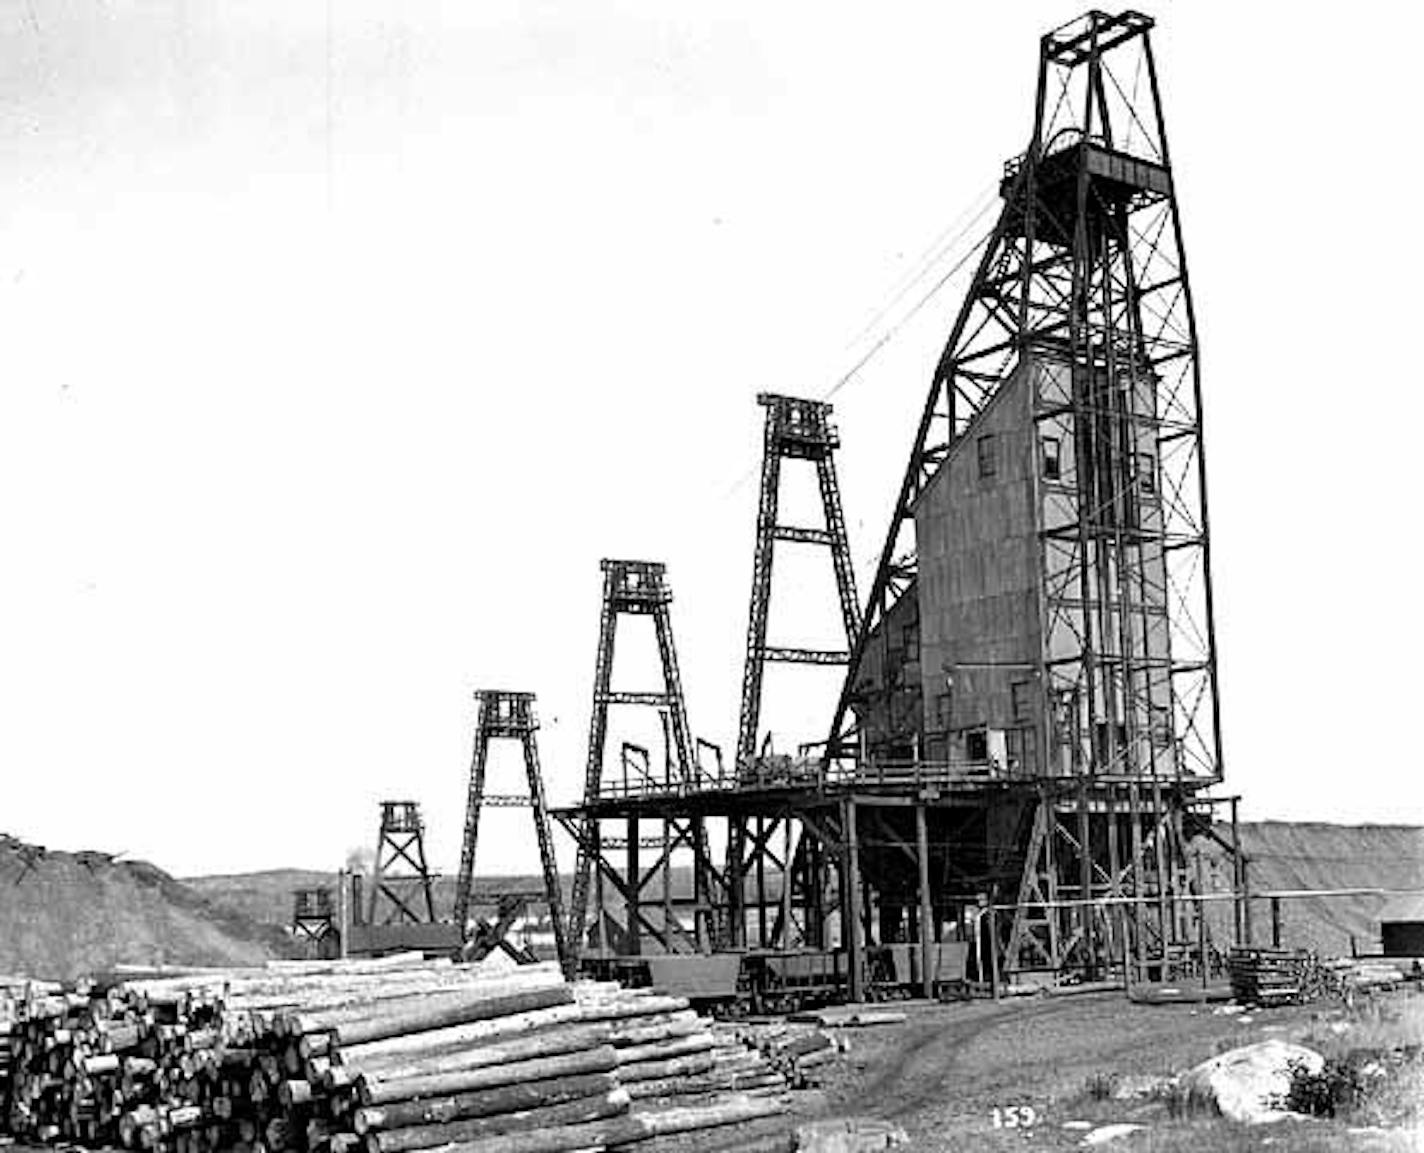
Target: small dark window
pixel 910 635
pixel 1112 738
pixel 1161 727
pixel 1052 463
pixel 1019 695
pixel 976 745
pixel 988 462
pixel 1065 712
pixel 1146 473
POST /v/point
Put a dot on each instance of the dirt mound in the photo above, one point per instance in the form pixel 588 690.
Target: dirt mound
pixel 265 897
pixel 1289 855
pixel 63 915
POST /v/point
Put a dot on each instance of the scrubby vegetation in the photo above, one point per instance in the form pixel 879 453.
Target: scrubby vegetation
pixel 1374 1065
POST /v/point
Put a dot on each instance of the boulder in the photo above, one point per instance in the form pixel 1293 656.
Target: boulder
pixel 1248 1084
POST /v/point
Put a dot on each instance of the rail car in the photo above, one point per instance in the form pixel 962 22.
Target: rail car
pixel 712 982
pixel 896 971
pixel 783 982
pixel 733 984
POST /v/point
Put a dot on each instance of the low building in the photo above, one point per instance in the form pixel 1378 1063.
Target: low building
pixel 1402 927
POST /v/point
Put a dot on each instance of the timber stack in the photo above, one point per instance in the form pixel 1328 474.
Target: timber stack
pixel 796 1054
pixel 1268 976
pixel 378 1056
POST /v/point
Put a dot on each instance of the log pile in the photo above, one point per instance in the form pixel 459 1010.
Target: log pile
pixel 1268 976
pixel 376 1057
pixel 695 1058
pixel 798 1054
pixel 1365 973
pixel 6 1048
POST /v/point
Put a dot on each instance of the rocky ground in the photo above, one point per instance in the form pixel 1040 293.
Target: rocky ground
pixel 1054 1073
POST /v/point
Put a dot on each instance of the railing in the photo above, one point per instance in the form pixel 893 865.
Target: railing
pixel 902 774
pixel 813 775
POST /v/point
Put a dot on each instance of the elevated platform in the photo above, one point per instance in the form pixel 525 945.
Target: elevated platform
pixel 855 858
pixel 1119 182
pixel 814 784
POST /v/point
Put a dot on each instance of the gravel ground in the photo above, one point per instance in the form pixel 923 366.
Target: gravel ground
pixel 961 1077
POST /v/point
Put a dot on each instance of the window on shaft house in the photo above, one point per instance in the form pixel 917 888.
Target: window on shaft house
pixel 1052 463
pixel 988 456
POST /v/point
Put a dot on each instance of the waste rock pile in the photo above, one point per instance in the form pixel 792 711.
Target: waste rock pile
pixel 378 1056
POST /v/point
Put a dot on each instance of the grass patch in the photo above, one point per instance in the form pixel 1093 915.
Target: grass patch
pixel 1376 1023
pixel 1374 1065
pixel 1101 1085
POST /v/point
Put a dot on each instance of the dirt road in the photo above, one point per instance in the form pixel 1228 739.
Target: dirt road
pixel 1008 1075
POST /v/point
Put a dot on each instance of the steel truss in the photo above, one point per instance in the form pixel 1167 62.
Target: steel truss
pixel 795 429
pixel 314 920
pixel 401 883
pixel 1081 296
pixel 1072 857
pixel 508 716
pixel 645 902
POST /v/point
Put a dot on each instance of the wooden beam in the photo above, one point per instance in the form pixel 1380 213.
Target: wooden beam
pixel 633 897
pixel 852 928
pixel 786 858
pixel 927 925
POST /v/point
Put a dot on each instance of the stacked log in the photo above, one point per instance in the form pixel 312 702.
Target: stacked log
pixel 6 1048
pixel 11 991
pixel 798 1054
pixel 1268 976
pixel 666 1051
pixel 377 1057
pixel 631 1130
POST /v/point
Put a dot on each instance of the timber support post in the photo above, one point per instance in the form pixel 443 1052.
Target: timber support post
pixel 927 923
pixel 852 922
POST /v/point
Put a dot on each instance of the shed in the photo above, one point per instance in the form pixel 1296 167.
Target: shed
pixel 1402 927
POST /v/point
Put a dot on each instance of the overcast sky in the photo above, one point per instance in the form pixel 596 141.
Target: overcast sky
pixel 342 339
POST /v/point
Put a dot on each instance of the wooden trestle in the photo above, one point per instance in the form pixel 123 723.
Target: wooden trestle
pixel 1063 878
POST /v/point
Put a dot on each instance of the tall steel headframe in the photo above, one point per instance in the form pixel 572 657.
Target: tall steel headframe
pixel 1082 287
pixel 634 588
pixel 401 883
pixel 796 429
pixel 509 716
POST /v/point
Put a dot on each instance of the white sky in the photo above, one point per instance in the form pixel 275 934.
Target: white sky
pixel 343 339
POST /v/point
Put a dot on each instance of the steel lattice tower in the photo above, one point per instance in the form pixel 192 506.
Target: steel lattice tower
pixel 401 883
pixel 795 429
pixel 314 919
pixel 510 716
pixel 1077 331
pixel 635 588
